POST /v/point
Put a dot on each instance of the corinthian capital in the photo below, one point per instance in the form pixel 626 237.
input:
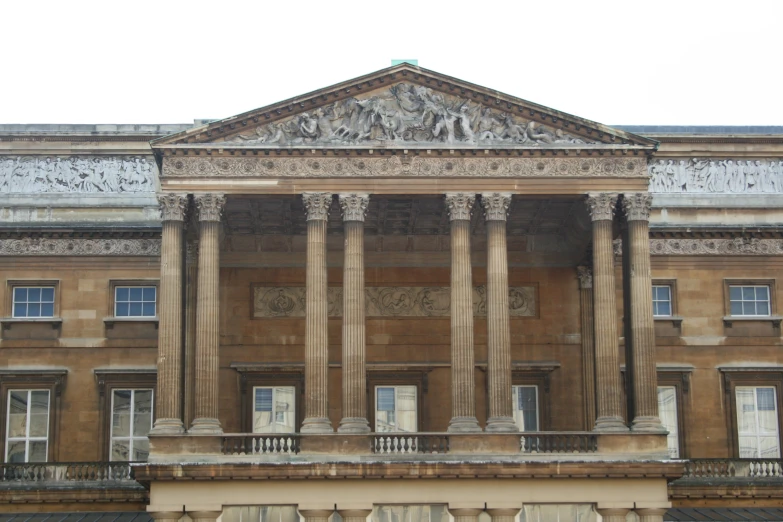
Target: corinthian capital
pixel 496 205
pixel 173 206
pixel 460 204
pixel 317 205
pixel 210 206
pixel 585 275
pixel 637 206
pixel 601 205
pixel 354 206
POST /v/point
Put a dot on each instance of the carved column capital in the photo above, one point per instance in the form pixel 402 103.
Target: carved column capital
pixel 601 205
pixel 317 205
pixel 460 205
pixel 354 206
pixel 585 275
pixel 210 206
pixel 496 205
pixel 173 206
pixel 637 206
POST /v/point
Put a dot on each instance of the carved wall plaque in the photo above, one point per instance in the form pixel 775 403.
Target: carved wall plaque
pixel 716 176
pixel 388 301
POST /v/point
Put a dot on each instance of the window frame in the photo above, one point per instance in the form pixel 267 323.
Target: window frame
pixel 253 404
pixel 109 380
pixel 27 439
pixel 251 376
pixel 11 285
pixel 541 379
pixel 769 283
pixel 50 380
pixel 418 379
pixel 538 405
pixel 680 380
pixel 672 284
pixel 395 387
pixel 130 437
pixel 758 377
pixel 131 283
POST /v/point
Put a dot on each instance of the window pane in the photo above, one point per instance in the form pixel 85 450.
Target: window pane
pixel 735 293
pixel 121 413
pixel 284 409
pixel 148 309
pixel 135 309
pixel 746 410
pixel 385 399
pixel 736 308
pixel 526 408
pixel 135 293
pixel 664 308
pixel 33 310
pixel 17 415
pixel 141 449
pixel 667 408
pixel 406 409
pixel 769 448
pixel 20 295
pixel 120 449
pixel 39 401
pixel 121 293
pixel 16 452
pixel 39 424
pixel 263 399
pixel 20 310
pixel 47 310
pixel 149 294
pixel 122 310
pixel 37 451
pixel 142 416
pixel 748 308
pixel 34 295
pixel 748 293
pixel 762 308
pixel 47 295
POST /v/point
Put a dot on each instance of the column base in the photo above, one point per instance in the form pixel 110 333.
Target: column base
pixel 317 425
pixel 648 425
pixel 168 427
pixel 206 426
pixel 610 424
pixel 354 425
pixel 502 425
pixel 464 425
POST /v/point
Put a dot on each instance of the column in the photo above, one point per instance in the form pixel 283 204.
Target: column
pixel 191 293
pixel 650 514
pixel 585 276
pixel 354 207
pixel 204 513
pixel 206 420
pixel 465 514
pixel 613 514
pixel 354 515
pixel 607 368
pixel 316 310
pixel 165 513
pixel 498 332
pixel 167 402
pixel 463 402
pixel 645 376
pixel 503 514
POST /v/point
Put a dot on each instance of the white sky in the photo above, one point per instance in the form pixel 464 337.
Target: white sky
pixel 656 62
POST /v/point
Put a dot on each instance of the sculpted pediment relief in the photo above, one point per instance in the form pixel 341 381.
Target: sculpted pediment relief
pixel 400 107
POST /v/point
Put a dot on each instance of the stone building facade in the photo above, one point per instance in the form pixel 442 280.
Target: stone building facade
pixel 403 297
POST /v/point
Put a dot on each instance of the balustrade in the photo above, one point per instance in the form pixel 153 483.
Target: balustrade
pixel 734 468
pixel 66 472
pixel 257 444
pixel 576 442
pixel 409 443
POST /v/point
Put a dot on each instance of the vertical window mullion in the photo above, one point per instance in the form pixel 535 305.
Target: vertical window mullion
pixel 132 431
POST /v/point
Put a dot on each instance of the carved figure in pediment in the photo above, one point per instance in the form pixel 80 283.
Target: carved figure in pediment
pixel 561 137
pixel 512 131
pixel 539 135
pixel 489 128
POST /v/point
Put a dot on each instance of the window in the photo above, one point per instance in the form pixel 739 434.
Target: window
pixel 757 422
pixel 131 421
pixel 33 301
pixel 274 409
pixel 27 427
pixel 525 400
pixel 662 300
pixel 395 409
pixel 667 411
pixel 749 300
pixel 135 301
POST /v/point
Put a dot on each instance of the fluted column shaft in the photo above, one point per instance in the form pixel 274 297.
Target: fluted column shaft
pixel 645 378
pixel 465 514
pixel 191 295
pixel 585 275
pixel 607 367
pixel 463 401
pixel 498 331
pixel 650 514
pixel 317 319
pixel 167 401
pixel 354 515
pixel 210 206
pixel 503 514
pixel 354 207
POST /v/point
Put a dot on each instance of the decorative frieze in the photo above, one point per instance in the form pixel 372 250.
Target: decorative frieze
pixel 381 301
pixel 496 205
pixel 173 206
pixel 601 205
pixel 210 206
pixel 317 205
pixel 637 206
pixel 405 166
pixel 354 206
pixel 79 247
pixel 77 174
pixel 460 205
pixel 724 247
pixel 717 176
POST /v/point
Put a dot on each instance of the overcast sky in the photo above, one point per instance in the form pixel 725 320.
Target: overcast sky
pixel 627 62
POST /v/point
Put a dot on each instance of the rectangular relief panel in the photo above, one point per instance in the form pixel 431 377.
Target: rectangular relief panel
pixel 389 301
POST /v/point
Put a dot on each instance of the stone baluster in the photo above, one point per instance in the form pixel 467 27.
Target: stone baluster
pixel 463 402
pixel 210 206
pixel 316 420
pixel 498 331
pixel 645 377
pixel 354 207
pixel 585 276
pixel 609 415
pixel 168 405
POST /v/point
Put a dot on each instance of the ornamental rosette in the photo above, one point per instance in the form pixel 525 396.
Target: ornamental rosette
pixel 585 275
pixel 460 205
pixel 601 205
pixel 354 206
pixel 496 205
pixel 172 206
pixel 317 205
pixel 637 206
pixel 210 206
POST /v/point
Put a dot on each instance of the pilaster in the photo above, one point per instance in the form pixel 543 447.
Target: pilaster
pixel 585 276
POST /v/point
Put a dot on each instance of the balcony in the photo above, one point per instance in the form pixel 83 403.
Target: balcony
pixel 729 479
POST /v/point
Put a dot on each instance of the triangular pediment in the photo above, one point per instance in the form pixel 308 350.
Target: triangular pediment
pixel 404 106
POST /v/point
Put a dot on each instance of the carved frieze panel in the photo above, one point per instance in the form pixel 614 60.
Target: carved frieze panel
pixel 79 247
pixel 717 176
pixel 383 301
pixel 406 114
pixel 77 174
pixel 737 246
pixel 408 166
